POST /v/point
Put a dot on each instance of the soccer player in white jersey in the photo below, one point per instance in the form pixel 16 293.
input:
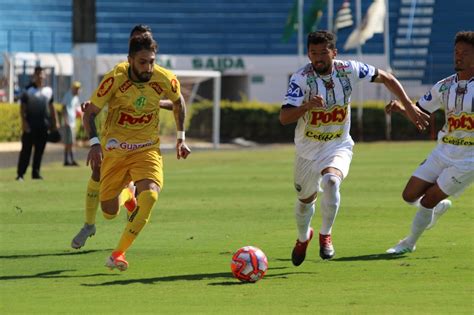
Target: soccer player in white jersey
pixel 449 169
pixel 318 99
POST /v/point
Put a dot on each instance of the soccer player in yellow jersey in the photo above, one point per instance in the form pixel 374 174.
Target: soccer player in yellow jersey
pixel 129 145
pixel 92 191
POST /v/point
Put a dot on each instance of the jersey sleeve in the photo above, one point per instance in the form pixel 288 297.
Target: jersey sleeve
pixel 431 101
pixel 106 88
pixel 361 71
pixel 296 91
pixel 174 91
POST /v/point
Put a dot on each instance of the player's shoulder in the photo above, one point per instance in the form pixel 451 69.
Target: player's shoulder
pixel 303 72
pixel 163 72
pixel 445 83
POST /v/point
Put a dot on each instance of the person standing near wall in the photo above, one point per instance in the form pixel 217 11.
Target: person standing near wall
pixel 38 116
pixel 71 104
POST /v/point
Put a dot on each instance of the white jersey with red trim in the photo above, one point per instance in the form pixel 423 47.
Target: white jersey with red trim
pixel 320 131
pixel 456 138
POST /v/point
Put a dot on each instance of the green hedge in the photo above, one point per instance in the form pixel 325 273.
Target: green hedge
pixel 250 120
pixel 260 122
pixel 10 123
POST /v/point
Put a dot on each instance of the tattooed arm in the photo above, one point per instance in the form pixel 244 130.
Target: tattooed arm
pixel 179 112
pixel 94 158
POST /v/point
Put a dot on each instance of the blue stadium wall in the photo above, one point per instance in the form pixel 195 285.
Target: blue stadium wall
pixel 221 27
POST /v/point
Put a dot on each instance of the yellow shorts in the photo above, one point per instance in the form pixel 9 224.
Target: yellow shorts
pixel 116 172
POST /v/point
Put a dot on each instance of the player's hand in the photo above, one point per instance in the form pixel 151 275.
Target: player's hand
pixel 395 106
pixel 84 105
pixel 94 158
pixel 316 102
pixel 419 118
pixel 182 150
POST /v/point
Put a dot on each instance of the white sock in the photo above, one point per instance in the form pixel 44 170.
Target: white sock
pixel 420 222
pixel 330 201
pixel 415 203
pixel 303 213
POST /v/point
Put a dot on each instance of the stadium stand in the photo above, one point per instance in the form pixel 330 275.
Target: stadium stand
pixel 421 38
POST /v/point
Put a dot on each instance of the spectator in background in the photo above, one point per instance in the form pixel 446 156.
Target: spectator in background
pixel 37 117
pixel 71 104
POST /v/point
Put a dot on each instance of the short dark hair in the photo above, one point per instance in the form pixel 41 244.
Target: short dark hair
pixel 142 42
pixel 322 37
pixel 141 28
pixel 464 37
pixel 38 69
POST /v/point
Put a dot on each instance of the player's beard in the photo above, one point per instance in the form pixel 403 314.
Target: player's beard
pixel 322 69
pixel 142 76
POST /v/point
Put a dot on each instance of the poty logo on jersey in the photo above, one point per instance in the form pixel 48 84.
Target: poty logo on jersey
pixel 428 96
pixel 105 87
pixel 336 116
pixel 363 71
pixel 294 90
pixel 463 121
pixel 113 144
pixel 128 120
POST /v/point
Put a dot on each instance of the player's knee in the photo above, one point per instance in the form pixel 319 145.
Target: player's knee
pixel 330 181
pixel 308 200
pixel 409 197
pixel 109 210
pixel 148 196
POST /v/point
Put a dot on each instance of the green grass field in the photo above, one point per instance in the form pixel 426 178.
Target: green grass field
pixel 216 202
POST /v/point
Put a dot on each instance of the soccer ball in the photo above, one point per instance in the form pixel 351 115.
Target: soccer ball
pixel 249 264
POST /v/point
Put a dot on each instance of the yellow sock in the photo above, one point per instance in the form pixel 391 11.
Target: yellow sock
pixel 125 195
pixel 138 219
pixel 92 200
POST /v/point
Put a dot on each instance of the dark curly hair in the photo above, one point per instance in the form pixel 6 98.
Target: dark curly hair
pixel 464 37
pixel 322 37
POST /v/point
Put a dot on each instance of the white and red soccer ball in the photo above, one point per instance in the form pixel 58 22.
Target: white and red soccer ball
pixel 249 264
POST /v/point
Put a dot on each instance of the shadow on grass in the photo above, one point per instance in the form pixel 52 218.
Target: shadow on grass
pixel 383 256
pixel 193 277
pixel 55 274
pixel 54 254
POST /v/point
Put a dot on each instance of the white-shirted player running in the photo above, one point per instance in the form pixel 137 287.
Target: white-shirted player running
pixel 449 168
pixel 318 98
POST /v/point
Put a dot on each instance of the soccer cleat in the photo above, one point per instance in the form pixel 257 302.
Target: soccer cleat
pixel 117 261
pixel 401 248
pixel 299 251
pixel 88 230
pixel 132 203
pixel 326 250
pixel 438 211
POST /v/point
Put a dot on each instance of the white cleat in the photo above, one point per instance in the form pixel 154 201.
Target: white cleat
pixel 80 239
pixel 438 211
pixel 401 248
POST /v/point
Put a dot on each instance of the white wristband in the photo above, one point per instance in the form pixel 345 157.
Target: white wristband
pixel 94 141
pixel 180 135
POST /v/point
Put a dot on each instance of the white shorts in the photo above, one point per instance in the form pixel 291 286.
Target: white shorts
pixel 307 173
pixel 450 179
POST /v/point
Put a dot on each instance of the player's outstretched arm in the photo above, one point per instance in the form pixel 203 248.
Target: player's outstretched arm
pixel 179 111
pixel 395 106
pixel 413 113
